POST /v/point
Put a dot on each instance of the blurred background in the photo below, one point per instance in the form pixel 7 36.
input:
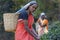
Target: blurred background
pixel 50 7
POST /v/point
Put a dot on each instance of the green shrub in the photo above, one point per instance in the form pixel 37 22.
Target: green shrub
pixel 54 32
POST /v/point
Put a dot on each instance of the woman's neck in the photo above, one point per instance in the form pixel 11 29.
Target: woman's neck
pixel 28 12
pixel 42 18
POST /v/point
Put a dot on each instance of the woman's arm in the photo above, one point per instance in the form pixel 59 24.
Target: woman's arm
pixel 34 32
pixel 29 31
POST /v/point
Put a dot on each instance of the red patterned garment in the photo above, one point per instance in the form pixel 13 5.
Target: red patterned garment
pixel 21 33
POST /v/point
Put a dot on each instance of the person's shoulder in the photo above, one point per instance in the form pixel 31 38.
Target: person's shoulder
pixel 45 21
pixel 22 10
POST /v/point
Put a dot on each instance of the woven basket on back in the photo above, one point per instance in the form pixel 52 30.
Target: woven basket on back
pixel 10 21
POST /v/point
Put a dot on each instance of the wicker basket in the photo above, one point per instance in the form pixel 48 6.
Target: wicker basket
pixel 10 21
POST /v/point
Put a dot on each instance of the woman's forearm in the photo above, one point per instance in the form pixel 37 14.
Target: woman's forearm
pixel 30 32
pixel 34 32
pixel 28 29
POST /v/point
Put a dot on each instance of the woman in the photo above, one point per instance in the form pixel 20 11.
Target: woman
pixel 42 26
pixel 24 30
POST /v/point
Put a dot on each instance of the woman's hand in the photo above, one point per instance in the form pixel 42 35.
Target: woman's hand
pixel 37 38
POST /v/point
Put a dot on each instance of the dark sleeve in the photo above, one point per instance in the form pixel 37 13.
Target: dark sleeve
pixel 23 16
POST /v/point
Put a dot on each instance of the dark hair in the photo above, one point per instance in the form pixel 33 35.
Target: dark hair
pixel 31 5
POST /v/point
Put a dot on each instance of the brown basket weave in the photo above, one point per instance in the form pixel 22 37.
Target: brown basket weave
pixel 10 21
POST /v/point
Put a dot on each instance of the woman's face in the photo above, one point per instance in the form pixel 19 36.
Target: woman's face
pixel 43 16
pixel 32 8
